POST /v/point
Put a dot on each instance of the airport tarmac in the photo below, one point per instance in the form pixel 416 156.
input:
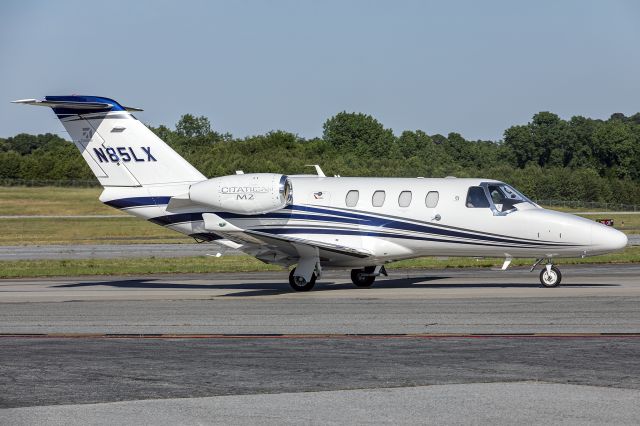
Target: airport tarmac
pixel 109 251
pixel 439 346
pixel 600 298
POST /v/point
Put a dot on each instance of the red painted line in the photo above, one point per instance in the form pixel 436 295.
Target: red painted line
pixel 327 336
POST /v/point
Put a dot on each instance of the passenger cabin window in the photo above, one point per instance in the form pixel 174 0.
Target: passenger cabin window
pixel 432 199
pixel 404 199
pixel 476 198
pixel 352 198
pixel 378 198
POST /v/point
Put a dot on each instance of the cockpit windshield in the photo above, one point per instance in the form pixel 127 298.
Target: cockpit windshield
pixel 499 197
pixel 505 198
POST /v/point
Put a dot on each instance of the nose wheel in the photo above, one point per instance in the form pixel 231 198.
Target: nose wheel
pixel 550 276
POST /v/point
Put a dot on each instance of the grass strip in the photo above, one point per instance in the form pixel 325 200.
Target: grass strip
pixel 20 200
pixel 206 264
pixel 128 230
pixel 132 266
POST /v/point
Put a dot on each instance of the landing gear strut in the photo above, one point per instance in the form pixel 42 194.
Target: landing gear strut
pixel 299 283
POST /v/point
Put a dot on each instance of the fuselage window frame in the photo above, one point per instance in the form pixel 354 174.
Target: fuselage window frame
pixel 378 197
pixel 404 199
pixel 352 198
pixel 432 199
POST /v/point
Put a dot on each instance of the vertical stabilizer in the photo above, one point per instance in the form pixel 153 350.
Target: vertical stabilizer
pixel 120 150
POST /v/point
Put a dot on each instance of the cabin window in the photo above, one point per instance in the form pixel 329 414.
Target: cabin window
pixel 432 199
pixel 352 198
pixel 404 199
pixel 378 198
pixel 476 198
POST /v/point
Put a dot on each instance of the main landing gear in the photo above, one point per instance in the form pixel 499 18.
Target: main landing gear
pixel 299 283
pixel 365 277
pixel 550 275
pixel 360 277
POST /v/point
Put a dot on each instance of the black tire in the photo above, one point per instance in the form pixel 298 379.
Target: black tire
pixel 363 281
pixel 299 283
pixel 551 279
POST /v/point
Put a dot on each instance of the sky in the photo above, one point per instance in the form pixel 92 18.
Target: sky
pixel 472 67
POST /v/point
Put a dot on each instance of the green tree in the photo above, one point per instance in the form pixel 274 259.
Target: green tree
pixel 10 165
pixel 359 133
pixel 616 147
pixel 190 126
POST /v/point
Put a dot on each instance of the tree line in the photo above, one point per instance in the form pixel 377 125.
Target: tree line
pixel 548 158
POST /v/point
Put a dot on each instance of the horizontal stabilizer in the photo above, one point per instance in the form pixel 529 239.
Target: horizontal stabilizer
pixel 63 104
pixel 72 105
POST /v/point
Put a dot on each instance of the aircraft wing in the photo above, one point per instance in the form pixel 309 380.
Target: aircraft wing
pixel 292 245
pixel 278 248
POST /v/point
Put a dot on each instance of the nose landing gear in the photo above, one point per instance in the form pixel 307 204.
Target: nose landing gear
pixel 550 275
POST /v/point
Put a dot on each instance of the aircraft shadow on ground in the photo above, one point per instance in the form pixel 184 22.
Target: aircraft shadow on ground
pixel 271 288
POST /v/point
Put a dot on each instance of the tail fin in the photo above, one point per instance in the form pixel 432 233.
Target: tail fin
pixel 120 150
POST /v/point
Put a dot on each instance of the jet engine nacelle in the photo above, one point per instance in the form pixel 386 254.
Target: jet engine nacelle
pixel 252 193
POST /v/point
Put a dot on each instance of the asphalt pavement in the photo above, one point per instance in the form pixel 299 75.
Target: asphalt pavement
pixel 109 251
pixel 445 346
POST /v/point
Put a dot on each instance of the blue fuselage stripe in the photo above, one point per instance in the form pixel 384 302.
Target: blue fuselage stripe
pixel 327 216
pixel 284 231
pixel 126 203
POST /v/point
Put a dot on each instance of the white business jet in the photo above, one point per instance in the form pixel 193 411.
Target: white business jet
pixel 318 222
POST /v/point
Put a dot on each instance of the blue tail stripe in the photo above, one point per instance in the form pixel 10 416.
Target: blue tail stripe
pixel 115 106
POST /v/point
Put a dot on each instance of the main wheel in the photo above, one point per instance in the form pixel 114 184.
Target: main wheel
pixel 359 277
pixel 550 278
pixel 299 283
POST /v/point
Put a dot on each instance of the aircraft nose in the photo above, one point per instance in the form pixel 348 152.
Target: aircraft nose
pixel 605 238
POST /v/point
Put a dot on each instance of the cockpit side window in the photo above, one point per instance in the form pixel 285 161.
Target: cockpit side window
pixel 504 197
pixel 476 198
